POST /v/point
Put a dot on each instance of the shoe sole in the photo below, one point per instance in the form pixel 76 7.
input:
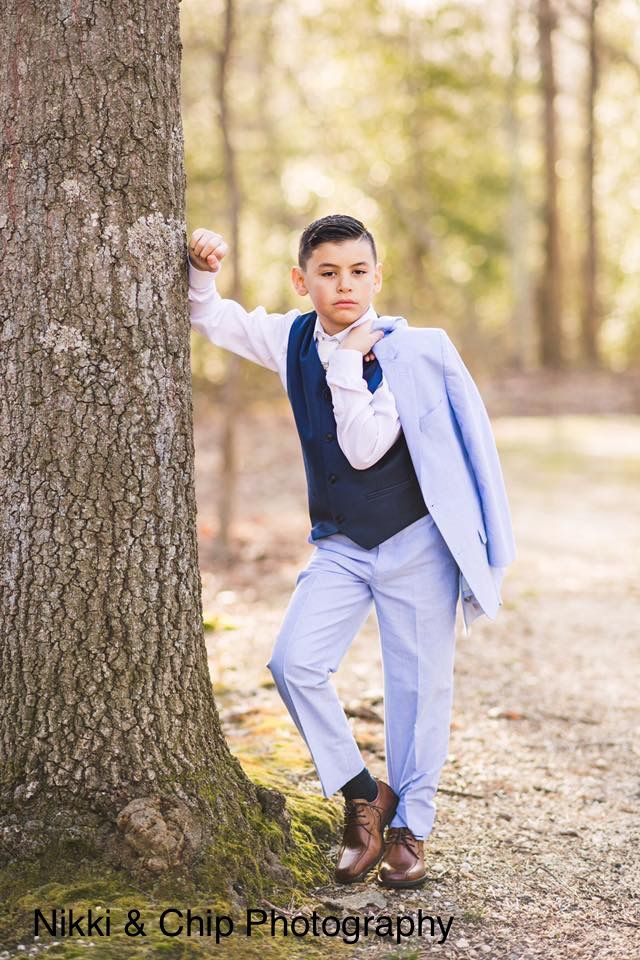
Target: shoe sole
pixel 399 884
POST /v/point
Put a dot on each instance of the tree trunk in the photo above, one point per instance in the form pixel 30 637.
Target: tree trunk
pixel 518 215
pixel 109 735
pixel 590 306
pixel 550 288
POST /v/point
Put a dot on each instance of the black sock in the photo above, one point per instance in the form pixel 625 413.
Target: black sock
pixel 362 787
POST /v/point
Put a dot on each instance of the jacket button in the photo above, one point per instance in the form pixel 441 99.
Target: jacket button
pixel 326 393
pixel 328 436
pixel 332 478
pixel 340 518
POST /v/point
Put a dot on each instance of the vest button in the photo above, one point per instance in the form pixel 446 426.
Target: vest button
pixel 328 436
pixel 332 478
pixel 326 393
pixel 340 518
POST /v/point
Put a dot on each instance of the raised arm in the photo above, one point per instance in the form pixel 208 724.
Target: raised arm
pixel 367 423
pixel 256 335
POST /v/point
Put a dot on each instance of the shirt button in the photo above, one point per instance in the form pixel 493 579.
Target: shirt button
pixel 332 478
pixel 340 518
pixel 328 436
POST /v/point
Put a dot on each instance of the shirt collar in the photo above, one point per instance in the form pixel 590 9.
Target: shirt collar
pixel 320 334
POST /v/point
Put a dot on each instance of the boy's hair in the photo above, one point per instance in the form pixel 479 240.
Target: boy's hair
pixel 335 228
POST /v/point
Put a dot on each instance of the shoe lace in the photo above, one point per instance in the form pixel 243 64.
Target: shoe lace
pixel 403 836
pixel 359 812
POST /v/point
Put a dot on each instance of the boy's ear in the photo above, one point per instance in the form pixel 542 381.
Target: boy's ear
pixel 298 281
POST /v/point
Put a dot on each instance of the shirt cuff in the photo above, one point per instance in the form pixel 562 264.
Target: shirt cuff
pixel 345 367
pixel 200 279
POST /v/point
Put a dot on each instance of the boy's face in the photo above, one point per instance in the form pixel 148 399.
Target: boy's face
pixel 341 279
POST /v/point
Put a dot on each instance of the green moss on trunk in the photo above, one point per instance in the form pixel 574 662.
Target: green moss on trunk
pixel 77 878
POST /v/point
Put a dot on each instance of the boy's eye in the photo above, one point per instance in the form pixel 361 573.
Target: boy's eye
pixel 329 273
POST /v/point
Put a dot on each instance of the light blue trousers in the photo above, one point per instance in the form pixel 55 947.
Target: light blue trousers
pixel 414 582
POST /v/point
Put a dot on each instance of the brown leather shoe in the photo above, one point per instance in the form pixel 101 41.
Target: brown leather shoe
pixel 402 864
pixel 363 838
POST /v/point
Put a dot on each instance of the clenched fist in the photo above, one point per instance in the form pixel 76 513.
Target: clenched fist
pixel 206 249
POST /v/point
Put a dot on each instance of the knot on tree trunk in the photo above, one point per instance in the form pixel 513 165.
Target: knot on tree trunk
pixel 161 832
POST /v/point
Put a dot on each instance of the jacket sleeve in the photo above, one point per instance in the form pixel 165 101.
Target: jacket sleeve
pixel 475 428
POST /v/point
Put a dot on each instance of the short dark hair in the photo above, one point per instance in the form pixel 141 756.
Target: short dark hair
pixel 335 228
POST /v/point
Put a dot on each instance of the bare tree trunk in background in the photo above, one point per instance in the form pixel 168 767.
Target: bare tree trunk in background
pixel 518 211
pixel 230 397
pixel 110 741
pixel 414 215
pixel 549 307
pixel 274 150
pixel 590 306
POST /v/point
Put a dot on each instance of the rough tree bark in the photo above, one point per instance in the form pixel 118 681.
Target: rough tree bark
pixel 110 741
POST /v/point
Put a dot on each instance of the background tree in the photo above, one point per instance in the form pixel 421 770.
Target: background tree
pixel 518 229
pixel 549 315
pixel 590 305
pixel 230 396
pixel 109 735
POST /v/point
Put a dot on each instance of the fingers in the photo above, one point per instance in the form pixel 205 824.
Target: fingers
pixel 379 334
pixel 363 340
pixel 205 242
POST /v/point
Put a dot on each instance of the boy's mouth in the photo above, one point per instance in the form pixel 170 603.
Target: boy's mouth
pixel 345 303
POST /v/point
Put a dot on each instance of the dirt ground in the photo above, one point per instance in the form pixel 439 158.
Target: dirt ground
pixel 535 851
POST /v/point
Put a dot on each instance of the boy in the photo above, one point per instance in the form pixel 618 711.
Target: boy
pixel 408 511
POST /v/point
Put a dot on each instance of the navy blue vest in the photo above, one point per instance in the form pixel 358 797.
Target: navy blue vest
pixel 370 505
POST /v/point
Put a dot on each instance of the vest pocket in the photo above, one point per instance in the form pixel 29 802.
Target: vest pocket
pixel 391 489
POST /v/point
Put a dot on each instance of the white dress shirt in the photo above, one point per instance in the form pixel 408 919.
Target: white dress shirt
pixel 367 423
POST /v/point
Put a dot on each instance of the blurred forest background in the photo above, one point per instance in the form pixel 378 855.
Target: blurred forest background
pixel 492 149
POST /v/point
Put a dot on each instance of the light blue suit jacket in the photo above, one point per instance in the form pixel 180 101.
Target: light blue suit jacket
pixel 449 436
